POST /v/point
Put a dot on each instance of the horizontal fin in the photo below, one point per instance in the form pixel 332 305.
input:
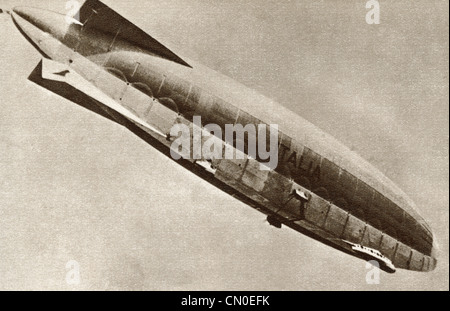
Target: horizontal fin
pixel 69 92
pixel 57 72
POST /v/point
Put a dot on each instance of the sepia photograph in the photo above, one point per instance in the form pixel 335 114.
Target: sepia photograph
pixel 235 145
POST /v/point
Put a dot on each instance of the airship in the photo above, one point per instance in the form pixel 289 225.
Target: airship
pixel 101 61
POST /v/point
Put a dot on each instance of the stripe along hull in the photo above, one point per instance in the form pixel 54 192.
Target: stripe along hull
pixel 320 188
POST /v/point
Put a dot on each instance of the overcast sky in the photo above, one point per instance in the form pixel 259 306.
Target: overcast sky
pixel 75 186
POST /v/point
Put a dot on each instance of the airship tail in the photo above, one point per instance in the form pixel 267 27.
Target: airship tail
pixel 95 15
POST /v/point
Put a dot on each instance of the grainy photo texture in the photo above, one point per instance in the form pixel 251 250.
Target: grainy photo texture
pixel 224 145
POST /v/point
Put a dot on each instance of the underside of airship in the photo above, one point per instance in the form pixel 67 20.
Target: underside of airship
pixel 103 62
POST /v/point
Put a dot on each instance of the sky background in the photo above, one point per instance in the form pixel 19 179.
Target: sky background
pixel 75 186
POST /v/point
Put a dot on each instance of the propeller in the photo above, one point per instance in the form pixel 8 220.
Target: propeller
pixel 271 220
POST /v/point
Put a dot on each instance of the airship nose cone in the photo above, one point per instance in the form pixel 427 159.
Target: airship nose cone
pixel 435 252
pixel 49 22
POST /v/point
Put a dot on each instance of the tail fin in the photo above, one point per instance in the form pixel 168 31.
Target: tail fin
pixel 99 16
